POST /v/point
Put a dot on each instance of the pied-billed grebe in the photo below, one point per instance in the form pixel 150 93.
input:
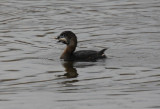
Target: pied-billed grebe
pixel 70 39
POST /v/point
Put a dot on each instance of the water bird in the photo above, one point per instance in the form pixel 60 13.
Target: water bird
pixel 69 54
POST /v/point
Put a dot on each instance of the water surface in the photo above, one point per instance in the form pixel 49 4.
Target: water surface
pixel 33 77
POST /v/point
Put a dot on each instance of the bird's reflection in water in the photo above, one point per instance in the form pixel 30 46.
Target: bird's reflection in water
pixel 71 72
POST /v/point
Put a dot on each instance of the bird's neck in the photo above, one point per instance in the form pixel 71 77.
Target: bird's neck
pixel 68 52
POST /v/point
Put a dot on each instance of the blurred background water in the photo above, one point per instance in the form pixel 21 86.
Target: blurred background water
pixel 32 76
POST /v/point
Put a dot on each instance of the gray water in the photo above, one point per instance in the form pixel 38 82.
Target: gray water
pixel 33 77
